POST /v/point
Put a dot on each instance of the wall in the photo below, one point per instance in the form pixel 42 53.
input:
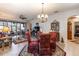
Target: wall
pixel 62 17
pixel 73 26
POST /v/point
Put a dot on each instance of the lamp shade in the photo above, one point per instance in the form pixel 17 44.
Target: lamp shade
pixel 5 29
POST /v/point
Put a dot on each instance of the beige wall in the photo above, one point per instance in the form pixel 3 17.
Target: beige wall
pixel 62 17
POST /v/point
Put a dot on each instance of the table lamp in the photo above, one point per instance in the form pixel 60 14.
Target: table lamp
pixel 5 29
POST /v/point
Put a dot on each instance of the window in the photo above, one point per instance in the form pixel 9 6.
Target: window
pixel 1 26
pixel 5 23
pixel 13 26
pixel 22 26
pixel 1 23
pixel 18 27
pixel 10 25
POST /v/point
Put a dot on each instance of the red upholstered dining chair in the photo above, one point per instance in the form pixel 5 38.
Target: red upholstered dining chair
pixel 53 39
pixel 44 45
pixel 33 45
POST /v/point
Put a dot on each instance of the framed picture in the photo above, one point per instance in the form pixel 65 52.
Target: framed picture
pixel 55 26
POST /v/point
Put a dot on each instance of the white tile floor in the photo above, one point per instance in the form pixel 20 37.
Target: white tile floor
pixel 71 48
pixel 14 50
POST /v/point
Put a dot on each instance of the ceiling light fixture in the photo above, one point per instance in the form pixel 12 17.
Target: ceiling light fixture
pixel 43 16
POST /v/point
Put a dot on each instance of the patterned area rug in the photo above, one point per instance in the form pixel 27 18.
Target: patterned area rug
pixel 58 52
pixel 17 41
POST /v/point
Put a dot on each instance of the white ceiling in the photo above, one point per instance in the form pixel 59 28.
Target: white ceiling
pixel 31 10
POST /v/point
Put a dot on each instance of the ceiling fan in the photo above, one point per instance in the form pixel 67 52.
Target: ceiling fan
pixel 22 17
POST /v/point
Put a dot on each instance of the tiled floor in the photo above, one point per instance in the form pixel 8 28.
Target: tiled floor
pixel 14 50
pixel 71 49
pixel 58 52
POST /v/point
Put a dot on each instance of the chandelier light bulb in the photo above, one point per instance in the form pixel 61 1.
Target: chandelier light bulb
pixel 39 16
pixel 43 16
pixel 46 16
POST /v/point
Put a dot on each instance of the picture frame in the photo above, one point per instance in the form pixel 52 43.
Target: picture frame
pixel 55 26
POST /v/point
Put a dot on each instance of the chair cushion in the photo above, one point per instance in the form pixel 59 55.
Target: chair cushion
pixel 53 36
pixel 33 43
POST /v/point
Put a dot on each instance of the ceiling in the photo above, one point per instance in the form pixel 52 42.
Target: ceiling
pixel 31 10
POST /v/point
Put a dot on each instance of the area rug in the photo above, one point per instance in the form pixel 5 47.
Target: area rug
pixel 58 52
pixel 17 41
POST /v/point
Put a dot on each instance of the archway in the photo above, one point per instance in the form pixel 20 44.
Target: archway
pixel 73 28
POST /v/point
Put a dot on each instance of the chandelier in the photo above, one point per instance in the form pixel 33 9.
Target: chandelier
pixel 43 16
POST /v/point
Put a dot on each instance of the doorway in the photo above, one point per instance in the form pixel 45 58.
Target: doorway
pixel 73 28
